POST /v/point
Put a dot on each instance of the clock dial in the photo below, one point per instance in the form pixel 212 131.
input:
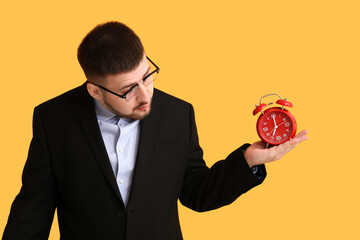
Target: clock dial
pixel 275 127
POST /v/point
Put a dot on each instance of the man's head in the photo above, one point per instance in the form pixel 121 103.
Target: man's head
pixel 110 48
pixel 113 57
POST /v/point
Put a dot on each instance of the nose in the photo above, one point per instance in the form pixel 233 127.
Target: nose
pixel 144 93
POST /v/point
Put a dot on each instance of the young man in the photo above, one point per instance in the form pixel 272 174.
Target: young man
pixel 114 155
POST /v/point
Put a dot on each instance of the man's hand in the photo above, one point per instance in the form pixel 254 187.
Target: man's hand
pixel 258 154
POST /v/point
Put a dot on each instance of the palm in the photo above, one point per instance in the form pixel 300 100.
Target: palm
pixel 258 154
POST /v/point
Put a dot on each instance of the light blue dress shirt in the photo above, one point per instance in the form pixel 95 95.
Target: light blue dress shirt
pixel 121 138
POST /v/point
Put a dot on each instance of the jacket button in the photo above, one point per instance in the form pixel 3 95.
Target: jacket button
pixel 120 213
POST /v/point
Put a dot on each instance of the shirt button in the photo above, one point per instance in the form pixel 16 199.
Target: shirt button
pixel 121 181
pixel 121 125
pixel 121 150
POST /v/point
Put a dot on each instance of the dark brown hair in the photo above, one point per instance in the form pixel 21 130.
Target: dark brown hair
pixel 110 48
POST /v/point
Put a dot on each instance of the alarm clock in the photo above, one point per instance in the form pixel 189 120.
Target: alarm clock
pixel 275 125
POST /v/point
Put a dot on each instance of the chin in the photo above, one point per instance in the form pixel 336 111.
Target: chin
pixel 140 115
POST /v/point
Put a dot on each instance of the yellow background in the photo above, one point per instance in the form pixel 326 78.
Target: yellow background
pixel 221 56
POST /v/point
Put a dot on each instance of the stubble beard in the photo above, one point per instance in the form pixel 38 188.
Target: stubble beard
pixel 140 115
pixel 136 114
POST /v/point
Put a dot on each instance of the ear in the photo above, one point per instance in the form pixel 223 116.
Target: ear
pixel 94 91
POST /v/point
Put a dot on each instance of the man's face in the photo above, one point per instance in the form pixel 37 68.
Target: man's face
pixel 140 105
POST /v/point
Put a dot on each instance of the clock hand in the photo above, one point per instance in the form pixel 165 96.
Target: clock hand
pixel 275 130
pixel 281 123
pixel 276 126
pixel 274 120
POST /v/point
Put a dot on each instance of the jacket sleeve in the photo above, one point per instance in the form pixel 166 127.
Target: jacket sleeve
pixel 210 188
pixel 32 211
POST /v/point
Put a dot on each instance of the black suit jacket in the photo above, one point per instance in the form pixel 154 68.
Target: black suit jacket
pixel 68 169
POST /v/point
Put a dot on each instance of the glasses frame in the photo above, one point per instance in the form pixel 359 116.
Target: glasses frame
pixel 123 96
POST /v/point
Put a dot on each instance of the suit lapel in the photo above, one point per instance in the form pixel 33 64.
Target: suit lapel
pixel 145 146
pixel 85 111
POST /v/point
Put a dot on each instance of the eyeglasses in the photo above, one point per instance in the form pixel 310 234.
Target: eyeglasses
pixel 133 90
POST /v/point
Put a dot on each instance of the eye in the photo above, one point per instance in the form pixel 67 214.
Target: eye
pixel 130 89
pixel 150 78
pixel 147 77
pixel 123 91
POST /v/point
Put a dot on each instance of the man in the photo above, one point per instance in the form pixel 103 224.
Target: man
pixel 114 155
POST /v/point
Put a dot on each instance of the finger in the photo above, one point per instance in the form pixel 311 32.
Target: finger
pixel 300 137
pixel 286 147
pixel 302 134
pixel 290 145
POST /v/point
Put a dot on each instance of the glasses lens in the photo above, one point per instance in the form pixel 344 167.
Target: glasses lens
pixel 151 78
pixel 146 82
pixel 132 93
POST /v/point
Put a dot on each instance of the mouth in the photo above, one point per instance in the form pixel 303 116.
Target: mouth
pixel 143 107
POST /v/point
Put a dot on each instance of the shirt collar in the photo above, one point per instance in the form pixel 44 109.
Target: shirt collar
pixel 105 115
pixel 101 112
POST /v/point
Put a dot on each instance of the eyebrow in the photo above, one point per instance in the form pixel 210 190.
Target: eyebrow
pixel 132 84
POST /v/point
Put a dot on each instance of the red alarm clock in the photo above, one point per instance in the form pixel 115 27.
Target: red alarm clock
pixel 275 125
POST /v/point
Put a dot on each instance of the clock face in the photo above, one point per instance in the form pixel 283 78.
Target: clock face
pixel 276 126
